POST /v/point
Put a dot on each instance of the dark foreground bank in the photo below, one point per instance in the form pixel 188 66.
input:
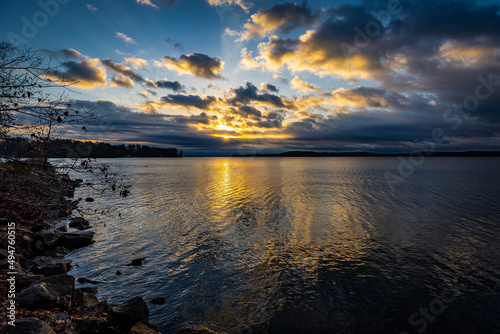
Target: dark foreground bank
pixel 38 296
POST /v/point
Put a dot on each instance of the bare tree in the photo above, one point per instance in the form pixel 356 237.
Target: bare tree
pixel 34 110
pixel 31 104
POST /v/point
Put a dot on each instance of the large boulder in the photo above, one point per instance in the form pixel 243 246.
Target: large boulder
pixel 46 292
pixel 49 237
pixel 28 326
pixel 79 223
pixel 144 328
pixel 77 239
pixel 49 266
pixel 130 312
pixel 36 296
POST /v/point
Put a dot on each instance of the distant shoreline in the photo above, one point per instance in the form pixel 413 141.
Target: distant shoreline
pixel 304 154
pixel 313 154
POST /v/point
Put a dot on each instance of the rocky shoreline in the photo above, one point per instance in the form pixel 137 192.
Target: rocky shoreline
pixel 47 300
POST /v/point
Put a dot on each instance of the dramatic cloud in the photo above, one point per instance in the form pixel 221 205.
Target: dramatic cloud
pixel 124 125
pixel 284 17
pixel 416 46
pixel 275 54
pixel 386 82
pixel 303 86
pixel 248 111
pixel 249 93
pixel 247 62
pixel 64 53
pixel 197 64
pixel 173 85
pixel 122 70
pixel 86 73
pixel 188 101
pixel 137 62
pixel 122 82
pixel 269 87
pixel 127 39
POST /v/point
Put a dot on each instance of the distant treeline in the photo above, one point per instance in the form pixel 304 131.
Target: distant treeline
pixel 371 154
pixel 67 148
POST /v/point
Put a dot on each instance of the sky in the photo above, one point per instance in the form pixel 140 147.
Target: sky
pixel 247 76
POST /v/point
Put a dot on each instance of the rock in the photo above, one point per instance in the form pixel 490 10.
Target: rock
pixel 49 266
pixel 84 299
pixel 157 300
pixel 46 292
pixel 49 237
pixel 137 262
pixel 89 199
pixel 77 239
pixel 28 279
pixel 118 272
pixel 84 280
pixel 62 228
pixel 36 296
pixel 28 326
pixel 144 328
pixel 79 223
pixel 129 313
pixel 61 284
pixel 60 316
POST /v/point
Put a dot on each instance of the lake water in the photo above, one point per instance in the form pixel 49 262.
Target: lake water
pixel 304 245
